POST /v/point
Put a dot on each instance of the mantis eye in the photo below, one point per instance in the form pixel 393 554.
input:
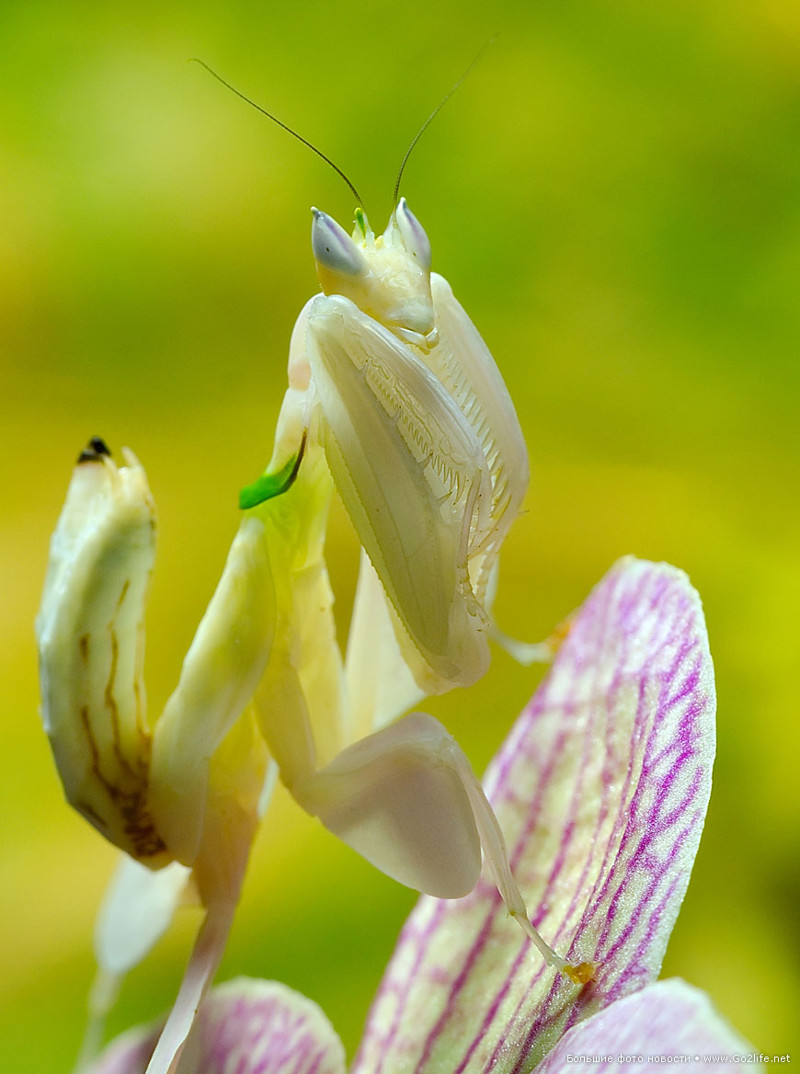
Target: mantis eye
pixel 333 248
pixel 413 234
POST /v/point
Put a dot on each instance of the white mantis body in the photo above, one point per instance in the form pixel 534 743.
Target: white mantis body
pixel 394 399
pixel 388 374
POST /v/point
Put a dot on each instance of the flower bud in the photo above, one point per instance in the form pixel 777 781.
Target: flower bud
pixel 90 632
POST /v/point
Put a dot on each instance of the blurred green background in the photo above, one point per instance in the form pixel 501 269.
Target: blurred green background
pixel 614 195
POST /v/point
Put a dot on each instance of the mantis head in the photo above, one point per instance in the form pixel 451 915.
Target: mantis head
pixel 387 277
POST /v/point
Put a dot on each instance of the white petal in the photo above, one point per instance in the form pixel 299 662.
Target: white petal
pixel 136 911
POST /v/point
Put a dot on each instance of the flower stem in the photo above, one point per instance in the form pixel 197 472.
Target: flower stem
pixel 206 955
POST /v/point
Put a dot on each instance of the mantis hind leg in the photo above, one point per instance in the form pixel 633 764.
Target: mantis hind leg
pixel 396 797
pixel 406 799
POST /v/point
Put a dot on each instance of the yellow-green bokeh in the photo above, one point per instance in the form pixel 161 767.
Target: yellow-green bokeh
pixel 614 195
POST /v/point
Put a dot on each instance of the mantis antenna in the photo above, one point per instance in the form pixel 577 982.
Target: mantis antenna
pixel 433 116
pixel 294 133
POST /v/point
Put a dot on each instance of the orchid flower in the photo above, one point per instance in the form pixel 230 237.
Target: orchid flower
pixel 601 788
pixel 262 1027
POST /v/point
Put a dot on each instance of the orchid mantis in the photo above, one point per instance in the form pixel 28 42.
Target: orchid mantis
pixel 389 376
pixel 395 401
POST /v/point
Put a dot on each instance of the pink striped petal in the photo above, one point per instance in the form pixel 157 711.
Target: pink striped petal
pixel 667 1025
pixel 128 1054
pixel 247 1027
pixel 601 790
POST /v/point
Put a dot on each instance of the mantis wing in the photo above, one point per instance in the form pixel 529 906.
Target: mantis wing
pixel 463 363
pixel 414 480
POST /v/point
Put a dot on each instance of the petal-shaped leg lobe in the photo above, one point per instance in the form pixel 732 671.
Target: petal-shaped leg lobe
pixel 397 798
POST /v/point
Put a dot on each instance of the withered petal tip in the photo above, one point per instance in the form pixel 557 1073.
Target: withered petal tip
pixel 96 448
